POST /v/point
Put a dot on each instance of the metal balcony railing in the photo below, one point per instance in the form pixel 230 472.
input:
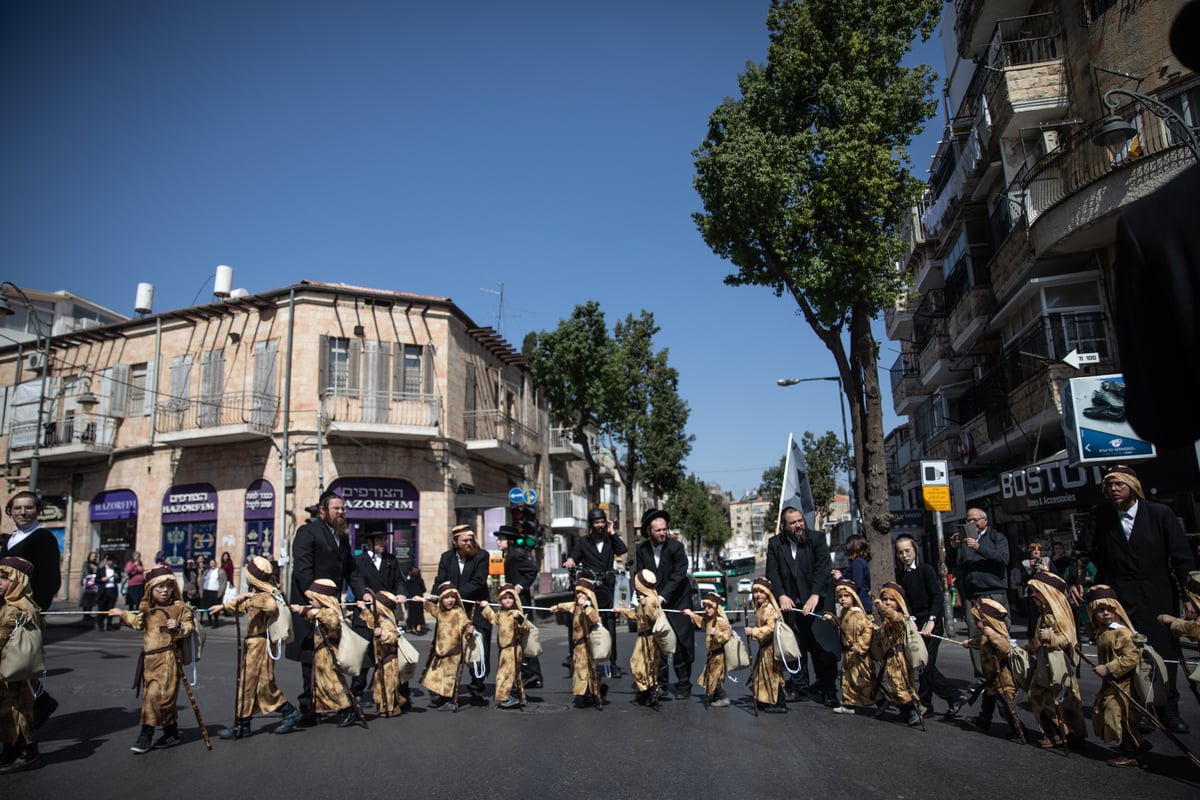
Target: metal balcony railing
pixel 906 366
pixel 565 503
pixel 256 409
pixel 495 424
pixel 1050 340
pixel 413 409
pixel 1023 40
pixel 94 431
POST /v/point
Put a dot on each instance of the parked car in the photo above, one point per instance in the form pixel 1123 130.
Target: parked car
pixel 743 586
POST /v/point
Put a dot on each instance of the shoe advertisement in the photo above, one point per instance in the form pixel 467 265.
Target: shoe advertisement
pixel 1095 423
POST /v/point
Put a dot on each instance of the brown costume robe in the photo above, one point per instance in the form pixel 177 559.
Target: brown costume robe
pixel 717 632
pixel 16 698
pixel 160 657
pixel 1112 714
pixel 646 657
pixel 329 688
pixel 767 677
pixel 897 672
pixel 385 684
pixel 994 648
pixel 257 692
pixel 446 652
pixel 509 625
pixel 858 678
pixel 1055 717
pixel 583 673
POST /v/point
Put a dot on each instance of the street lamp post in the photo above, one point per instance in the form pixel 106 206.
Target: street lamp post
pixel 845 435
pixel 44 348
pixel 1114 131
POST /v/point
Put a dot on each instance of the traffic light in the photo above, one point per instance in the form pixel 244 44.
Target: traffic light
pixel 525 521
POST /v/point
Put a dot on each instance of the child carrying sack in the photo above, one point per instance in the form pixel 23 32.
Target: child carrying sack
pixel 737 656
pixel 279 629
pixel 600 641
pixel 1018 664
pixel 787 649
pixel 1149 676
pixel 22 658
pixel 408 657
pixel 351 651
pixel 914 645
pixel 531 641
pixel 664 634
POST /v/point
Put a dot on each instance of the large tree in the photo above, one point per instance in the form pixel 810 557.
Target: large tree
pixel 805 181
pixel 699 516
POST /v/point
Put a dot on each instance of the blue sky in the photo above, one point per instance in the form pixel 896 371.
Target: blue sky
pixel 436 148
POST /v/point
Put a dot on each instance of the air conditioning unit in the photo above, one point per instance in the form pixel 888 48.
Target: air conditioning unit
pixel 37 362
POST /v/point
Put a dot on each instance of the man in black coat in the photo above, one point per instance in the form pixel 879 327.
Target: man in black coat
pixel 594 555
pixel 1140 550
pixel 923 596
pixel 665 557
pixel 320 549
pixel 414 586
pixel 39 547
pixel 800 572
pixel 375 570
pixel 466 566
pixel 521 570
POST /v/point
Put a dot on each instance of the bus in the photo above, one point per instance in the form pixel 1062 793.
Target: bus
pixel 738 563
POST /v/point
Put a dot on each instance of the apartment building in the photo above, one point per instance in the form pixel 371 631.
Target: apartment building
pixel 1011 252
pixel 212 428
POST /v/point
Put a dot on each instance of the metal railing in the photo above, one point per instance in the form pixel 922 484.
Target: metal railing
pixel 1050 340
pixel 256 409
pixel 95 431
pixel 565 503
pixel 906 366
pixel 1023 40
pixel 414 409
pixel 493 423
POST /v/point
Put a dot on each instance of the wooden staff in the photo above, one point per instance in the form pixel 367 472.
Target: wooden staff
pixel 192 699
pixel 593 680
pixel 240 669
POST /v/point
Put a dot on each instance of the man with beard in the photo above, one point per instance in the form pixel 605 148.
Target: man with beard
pixel 466 567
pixel 799 568
pixel 594 555
pixel 521 570
pixel 666 558
pixel 320 549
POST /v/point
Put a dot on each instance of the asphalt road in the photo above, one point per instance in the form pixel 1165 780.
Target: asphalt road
pixel 550 749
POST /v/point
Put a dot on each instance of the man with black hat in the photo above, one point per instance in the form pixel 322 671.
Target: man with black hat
pixel 665 557
pixel 1140 550
pixel 594 556
pixel 320 550
pixel 465 566
pixel 521 570
pixel 375 570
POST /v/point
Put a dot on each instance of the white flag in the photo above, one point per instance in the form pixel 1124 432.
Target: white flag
pixel 796 491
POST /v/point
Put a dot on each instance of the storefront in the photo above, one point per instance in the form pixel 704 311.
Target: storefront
pixel 189 523
pixel 1053 500
pixel 260 520
pixel 113 515
pixel 385 505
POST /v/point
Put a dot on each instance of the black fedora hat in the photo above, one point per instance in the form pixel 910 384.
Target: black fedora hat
pixel 651 515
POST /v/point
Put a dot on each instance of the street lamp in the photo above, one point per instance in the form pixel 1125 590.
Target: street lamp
pixel 1114 131
pixel 845 436
pixel 44 348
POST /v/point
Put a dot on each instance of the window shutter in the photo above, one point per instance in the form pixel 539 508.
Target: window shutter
pixel 265 399
pixel 181 377
pixel 323 367
pixel 118 398
pixel 353 353
pixel 151 387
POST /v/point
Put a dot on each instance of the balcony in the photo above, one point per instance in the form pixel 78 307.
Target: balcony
pixel 970 300
pixel 935 362
pixel 912 232
pixel 1010 264
pixel 493 435
pixel 975 20
pixel 898 317
pixel 568 510
pixel 216 418
pixel 385 416
pixel 1028 75
pixel 907 390
pixel 1050 339
pixel 1075 191
pixel 563 445
pixel 83 437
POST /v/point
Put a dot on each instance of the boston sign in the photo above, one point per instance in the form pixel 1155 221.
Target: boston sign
pixel 1048 487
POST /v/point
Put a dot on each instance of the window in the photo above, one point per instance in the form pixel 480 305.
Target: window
pixel 212 381
pixel 137 390
pixel 411 369
pixel 181 376
pixel 1187 105
pixel 339 363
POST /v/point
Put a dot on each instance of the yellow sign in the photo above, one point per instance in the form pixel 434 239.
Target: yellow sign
pixel 496 564
pixel 937 498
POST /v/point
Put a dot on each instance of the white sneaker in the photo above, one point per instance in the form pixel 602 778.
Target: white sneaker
pixel 844 710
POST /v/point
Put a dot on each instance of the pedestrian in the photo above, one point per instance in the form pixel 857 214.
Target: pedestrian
pixel 414 589
pixel 587 688
pixel 1033 564
pixel 257 691
pixel 899 673
pixel 521 570
pixel 999 684
pixel 858 551
pixel 717 632
pixel 227 565
pixel 1060 560
pixel 1140 550
pixel 213 586
pixel 798 566
pixel 646 659
pixel 979 558
pixel 135 581
pixel 159 666
pixel 452 627
pixel 510 624
pixel 1114 719
pixel 766 677
pixel 87 582
pixel 924 597
pixel 37 545
pixel 859 687
pixel 192 593
pixel 389 695
pixel 329 691
pixel 1053 689
pixel 320 550
pixel 17 729
pixel 465 566
pixel 107 579
pixel 666 558
pixel 594 557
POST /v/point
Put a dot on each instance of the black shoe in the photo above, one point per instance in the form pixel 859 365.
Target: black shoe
pixel 683 694
pixel 617 672
pixel 831 701
pixel 43 706
pixel 309 721
pixel 347 717
pixel 290 720
pixel 144 743
pixel 1145 725
pixel 171 738
pixel 533 683
pixel 663 695
pixel 1177 725
pixel 438 701
pixel 981 725
pixel 777 708
pixel 240 729
pixel 795 697
pixel 955 706
pixel 26 760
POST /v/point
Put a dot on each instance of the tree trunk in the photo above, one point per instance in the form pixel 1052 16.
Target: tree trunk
pixel 870 458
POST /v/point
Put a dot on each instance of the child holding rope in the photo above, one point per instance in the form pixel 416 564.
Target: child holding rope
pixel 510 623
pixel 717 632
pixel 452 627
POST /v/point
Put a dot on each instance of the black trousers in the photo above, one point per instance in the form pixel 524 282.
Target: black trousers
pixel 685 653
pixel 932 680
pixel 824 664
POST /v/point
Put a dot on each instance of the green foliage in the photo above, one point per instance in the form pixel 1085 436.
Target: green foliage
pixel 827 458
pixel 770 489
pixel 697 514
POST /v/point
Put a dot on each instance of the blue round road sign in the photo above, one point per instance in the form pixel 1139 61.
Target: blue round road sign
pixel 530 497
pixel 515 495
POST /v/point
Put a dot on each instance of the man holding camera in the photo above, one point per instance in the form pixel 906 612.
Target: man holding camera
pixel 979 559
